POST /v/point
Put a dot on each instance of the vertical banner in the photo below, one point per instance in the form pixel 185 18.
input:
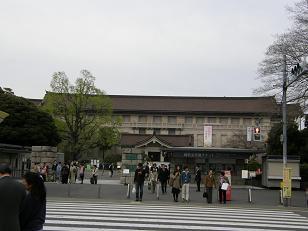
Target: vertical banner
pixel 208 135
pixel 249 133
pixel 287 182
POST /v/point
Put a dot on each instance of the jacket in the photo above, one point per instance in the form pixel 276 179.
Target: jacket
pixel 175 180
pixel 185 178
pixel 209 181
pixel 139 175
pixel 198 175
pixel 33 214
pixel 12 195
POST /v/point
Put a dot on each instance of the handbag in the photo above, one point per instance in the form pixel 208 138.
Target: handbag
pixel 224 186
pixel 205 195
pixel 134 189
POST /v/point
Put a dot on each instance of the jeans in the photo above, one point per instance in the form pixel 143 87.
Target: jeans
pixel 222 195
pixel 139 190
pixel 95 179
pixel 185 191
pixel 164 186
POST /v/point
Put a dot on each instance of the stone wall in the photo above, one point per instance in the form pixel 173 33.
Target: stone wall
pixel 45 154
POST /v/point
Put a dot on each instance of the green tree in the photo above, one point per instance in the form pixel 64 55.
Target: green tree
pixel 107 137
pixel 294 139
pixel 81 109
pixel 26 124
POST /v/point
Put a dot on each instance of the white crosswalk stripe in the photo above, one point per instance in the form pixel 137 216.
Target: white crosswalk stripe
pixel 90 216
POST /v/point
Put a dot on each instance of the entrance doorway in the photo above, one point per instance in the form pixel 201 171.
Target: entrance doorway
pixel 154 156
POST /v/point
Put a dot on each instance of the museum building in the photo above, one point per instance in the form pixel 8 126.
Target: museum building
pixel 213 132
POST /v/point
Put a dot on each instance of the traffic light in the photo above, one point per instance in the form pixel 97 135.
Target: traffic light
pixel 300 68
pixel 256 134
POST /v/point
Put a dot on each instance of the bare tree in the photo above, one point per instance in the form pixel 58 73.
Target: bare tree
pixel 293 44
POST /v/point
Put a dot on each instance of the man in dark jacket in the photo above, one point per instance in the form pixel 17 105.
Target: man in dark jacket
pixel 139 181
pixel 163 177
pixel 198 178
pixel 12 195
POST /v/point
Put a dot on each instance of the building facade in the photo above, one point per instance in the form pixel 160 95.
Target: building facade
pixel 213 132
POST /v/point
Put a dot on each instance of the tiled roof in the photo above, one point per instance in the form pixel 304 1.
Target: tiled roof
pixel 210 105
pixel 130 140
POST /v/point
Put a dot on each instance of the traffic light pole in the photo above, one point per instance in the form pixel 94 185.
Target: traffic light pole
pixel 284 118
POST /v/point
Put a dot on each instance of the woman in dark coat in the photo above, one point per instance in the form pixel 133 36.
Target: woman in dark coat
pixel 33 212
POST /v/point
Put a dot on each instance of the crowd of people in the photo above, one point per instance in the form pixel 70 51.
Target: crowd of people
pixel 67 173
pixel 179 180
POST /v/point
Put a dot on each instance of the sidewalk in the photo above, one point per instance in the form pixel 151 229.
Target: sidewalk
pixel 112 190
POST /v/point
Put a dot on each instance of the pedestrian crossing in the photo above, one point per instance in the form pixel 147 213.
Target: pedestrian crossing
pixel 91 216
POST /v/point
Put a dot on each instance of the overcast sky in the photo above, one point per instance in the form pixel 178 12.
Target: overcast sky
pixel 139 47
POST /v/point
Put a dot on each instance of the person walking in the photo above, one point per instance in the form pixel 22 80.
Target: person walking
pixel 94 174
pixel 175 183
pixel 111 170
pixel 73 173
pixel 12 195
pixel 153 178
pixel 65 171
pixel 44 171
pixel 58 172
pixel 33 214
pixel 209 183
pixel 163 176
pixel 139 181
pixel 185 181
pixel 81 172
pixel 198 178
pixel 222 193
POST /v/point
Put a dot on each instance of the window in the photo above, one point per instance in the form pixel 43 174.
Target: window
pixel 235 121
pixel 212 120
pixel 171 131
pixel 171 120
pixel 247 121
pixel 126 118
pixel 156 119
pixel 200 120
pixel 188 120
pixel 142 131
pixel 142 119
pixel 156 131
pixel 223 120
pixel 200 141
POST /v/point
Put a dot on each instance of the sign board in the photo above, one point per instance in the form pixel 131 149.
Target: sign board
pixel 126 171
pixel 252 174
pixel 244 174
pixel 249 134
pixel 287 179
pixel 208 133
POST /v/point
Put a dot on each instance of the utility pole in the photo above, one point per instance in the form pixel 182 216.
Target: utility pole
pixel 284 113
pixel 284 119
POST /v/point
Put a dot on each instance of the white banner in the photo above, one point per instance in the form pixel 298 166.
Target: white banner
pixel 249 133
pixel 208 135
